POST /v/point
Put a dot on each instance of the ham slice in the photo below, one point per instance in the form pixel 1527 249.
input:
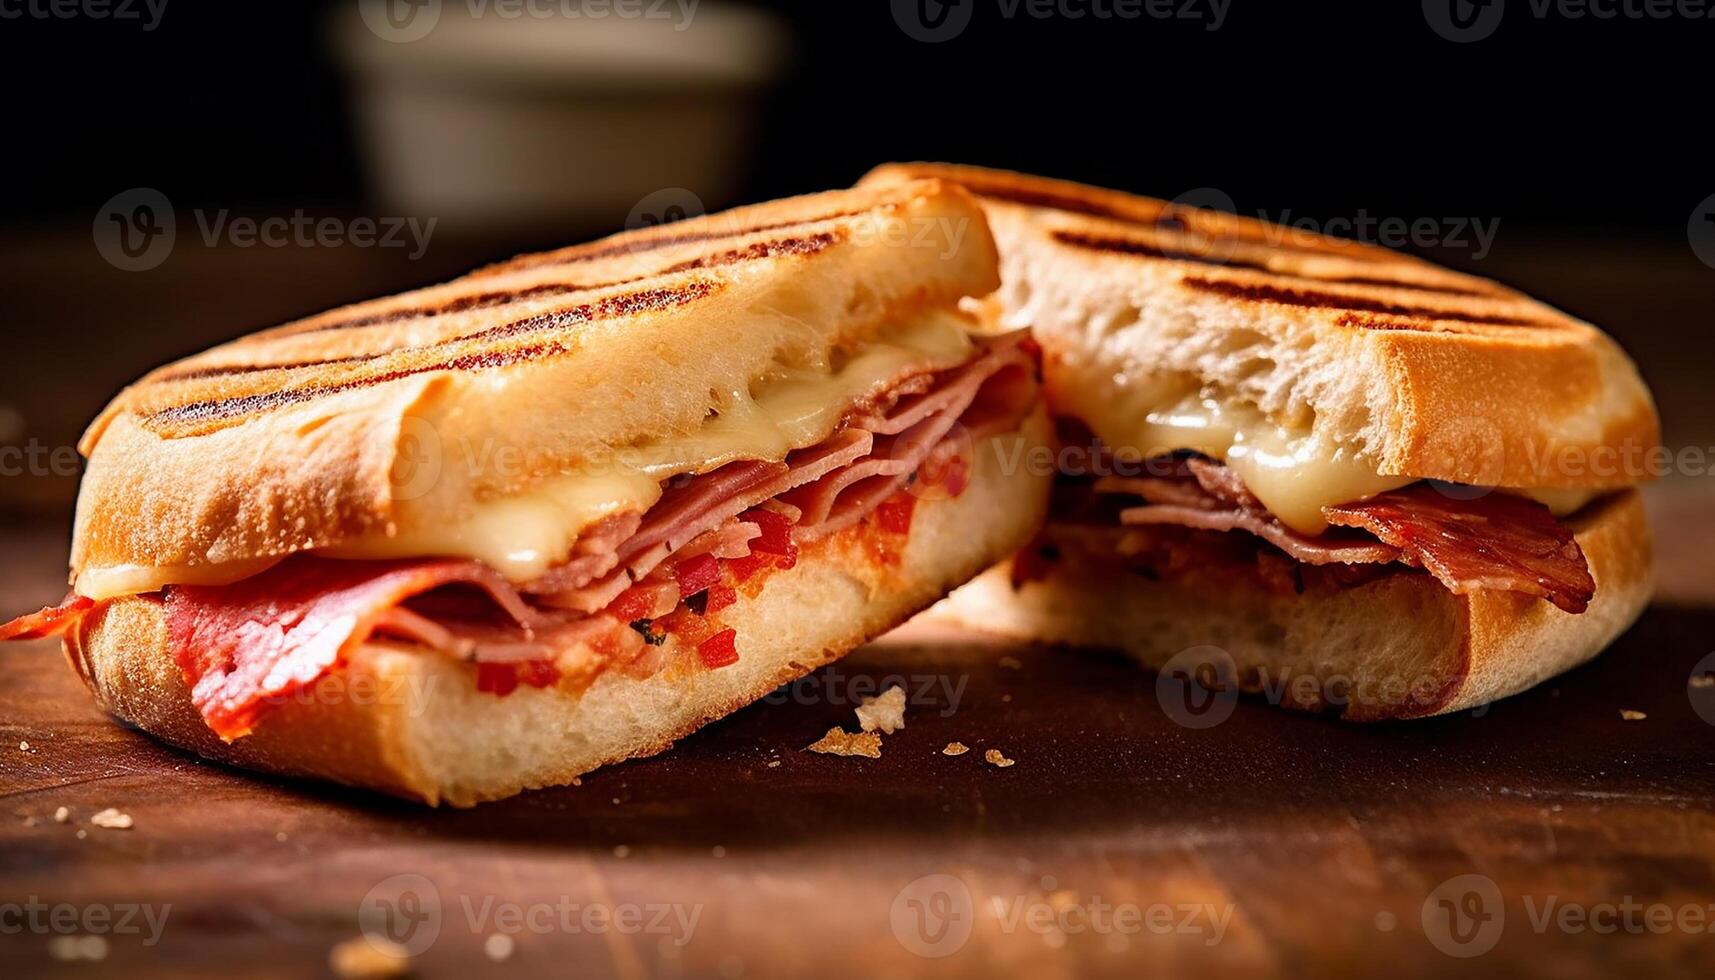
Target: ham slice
pixel 1311 551
pixel 1497 541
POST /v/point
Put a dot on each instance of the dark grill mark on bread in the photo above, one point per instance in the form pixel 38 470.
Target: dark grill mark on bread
pixel 638 244
pixel 1315 299
pixel 611 307
pixel 806 245
pixel 1386 283
pixel 1134 246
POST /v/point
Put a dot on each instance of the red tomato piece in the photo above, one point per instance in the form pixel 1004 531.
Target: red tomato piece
pixel 894 514
pixel 718 650
pixel 696 574
pixel 499 679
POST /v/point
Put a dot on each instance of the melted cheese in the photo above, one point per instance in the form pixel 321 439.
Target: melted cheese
pixel 1293 470
pixel 524 535
pixel 117 580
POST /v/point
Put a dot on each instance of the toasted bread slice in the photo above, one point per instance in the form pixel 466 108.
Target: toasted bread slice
pixel 1423 372
pixel 1397 646
pixel 413 723
pixel 310 435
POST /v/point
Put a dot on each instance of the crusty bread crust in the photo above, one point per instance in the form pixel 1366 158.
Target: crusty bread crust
pixel 309 435
pixel 1432 374
pixel 413 724
pixel 1401 646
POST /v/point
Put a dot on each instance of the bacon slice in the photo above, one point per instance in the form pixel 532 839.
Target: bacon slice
pixel 49 621
pixel 1498 541
pixel 265 637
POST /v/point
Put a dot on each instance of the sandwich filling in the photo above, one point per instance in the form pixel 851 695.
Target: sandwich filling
pixel 639 590
pixel 1470 539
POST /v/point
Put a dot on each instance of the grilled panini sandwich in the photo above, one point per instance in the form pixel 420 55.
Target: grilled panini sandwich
pixel 492 534
pixel 1352 479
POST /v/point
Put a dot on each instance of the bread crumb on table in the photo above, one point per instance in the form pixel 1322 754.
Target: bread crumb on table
pixel 994 757
pixel 112 819
pixel 70 949
pixel 1630 715
pixel 886 712
pixel 841 742
pixel 955 748
pixel 366 958
pixel 62 815
pixel 1703 680
pixel 1011 663
pixel 499 947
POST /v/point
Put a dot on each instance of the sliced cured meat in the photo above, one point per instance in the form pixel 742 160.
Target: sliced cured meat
pixel 1497 541
pixel 265 637
pixel 1320 550
pixel 50 621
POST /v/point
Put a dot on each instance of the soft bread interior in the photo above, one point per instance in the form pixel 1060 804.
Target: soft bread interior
pixel 1395 647
pixel 414 724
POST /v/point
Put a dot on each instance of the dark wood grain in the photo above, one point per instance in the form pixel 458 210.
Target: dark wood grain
pixel 1317 844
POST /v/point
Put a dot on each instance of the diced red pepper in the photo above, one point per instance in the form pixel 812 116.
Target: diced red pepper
pixel 696 574
pixel 721 596
pixel 743 569
pixel 500 679
pixel 538 673
pixel 718 650
pixel 894 514
pixel 956 476
pixel 776 536
pixel 633 604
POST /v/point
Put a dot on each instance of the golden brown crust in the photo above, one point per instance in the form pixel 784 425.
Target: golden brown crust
pixel 1340 650
pixel 1433 374
pixel 291 438
pixel 414 725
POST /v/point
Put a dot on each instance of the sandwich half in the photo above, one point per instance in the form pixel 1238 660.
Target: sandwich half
pixel 493 534
pixel 1344 477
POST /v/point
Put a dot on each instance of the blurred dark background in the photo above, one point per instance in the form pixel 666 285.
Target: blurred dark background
pixel 1573 139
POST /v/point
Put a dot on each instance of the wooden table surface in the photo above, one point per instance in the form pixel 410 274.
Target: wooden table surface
pixel 1119 843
